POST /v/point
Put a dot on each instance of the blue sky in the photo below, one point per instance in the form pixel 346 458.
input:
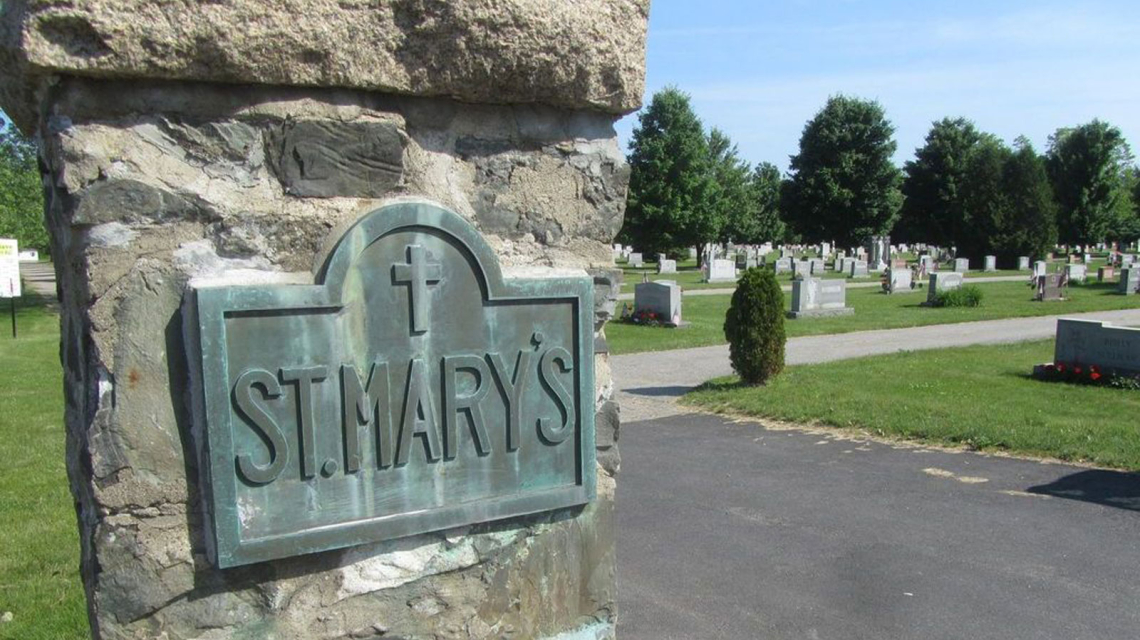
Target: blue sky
pixel 760 69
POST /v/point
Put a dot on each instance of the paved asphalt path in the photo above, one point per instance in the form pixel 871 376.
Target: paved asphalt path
pixel 866 284
pixel 649 383
pixel 729 530
pixel 39 277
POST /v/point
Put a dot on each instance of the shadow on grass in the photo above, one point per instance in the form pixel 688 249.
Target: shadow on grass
pixel 1117 489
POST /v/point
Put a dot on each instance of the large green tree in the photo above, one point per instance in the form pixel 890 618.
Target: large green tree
pixel 1089 167
pixel 729 196
pixel 761 220
pixel 671 179
pixel 982 201
pixel 932 206
pixel 21 191
pixel 844 185
pixel 1032 216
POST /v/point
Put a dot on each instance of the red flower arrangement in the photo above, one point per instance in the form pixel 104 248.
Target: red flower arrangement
pixel 1092 375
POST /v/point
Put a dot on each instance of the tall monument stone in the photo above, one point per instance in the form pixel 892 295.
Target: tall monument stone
pixel 256 217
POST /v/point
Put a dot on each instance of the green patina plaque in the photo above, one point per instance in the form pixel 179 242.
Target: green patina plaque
pixel 412 388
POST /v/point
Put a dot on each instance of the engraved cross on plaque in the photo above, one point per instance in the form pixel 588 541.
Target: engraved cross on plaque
pixel 417 274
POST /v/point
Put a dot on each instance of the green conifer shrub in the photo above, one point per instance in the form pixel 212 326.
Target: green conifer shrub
pixel 754 327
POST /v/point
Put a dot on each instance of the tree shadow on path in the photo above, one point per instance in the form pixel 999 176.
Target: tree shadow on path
pixel 1117 489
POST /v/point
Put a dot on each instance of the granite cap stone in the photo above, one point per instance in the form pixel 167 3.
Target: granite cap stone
pixel 588 54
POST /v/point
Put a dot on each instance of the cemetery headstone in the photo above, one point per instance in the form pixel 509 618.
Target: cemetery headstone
pixel 990 264
pixel 635 260
pixel 816 266
pixel 1092 343
pixel 1129 282
pixel 1076 272
pixel 720 270
pixel 801 269
pixel 667 266
pixel 878 249
pixel 939 282
pixel 900 280
pixel 1023 263
pixel 1104 274
pixel 1040 268
pixel 399 428
pixel 961 265
pixel 692 253
pixel 783 265
pixel 1050 287
pixel 856 268
pixel 813 297
pixel 662 298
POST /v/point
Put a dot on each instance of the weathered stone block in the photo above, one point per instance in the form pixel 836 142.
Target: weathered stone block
pixel 322 159
pixel 580 55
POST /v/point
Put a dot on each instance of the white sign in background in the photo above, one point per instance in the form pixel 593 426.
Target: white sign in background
pixel 9 268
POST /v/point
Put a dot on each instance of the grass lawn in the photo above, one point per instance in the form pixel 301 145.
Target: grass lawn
pixel 873 310
pixel 39 546
pixel 979 396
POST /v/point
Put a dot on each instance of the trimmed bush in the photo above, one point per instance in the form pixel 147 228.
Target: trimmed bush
pixel 754 327
pixel 967 296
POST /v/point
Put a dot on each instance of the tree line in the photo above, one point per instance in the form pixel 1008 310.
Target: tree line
pixel 21 191
pixel 964 187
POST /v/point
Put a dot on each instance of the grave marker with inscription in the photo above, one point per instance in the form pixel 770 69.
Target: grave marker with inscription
pixel 1129 282
pixel 663 298
pixel 813 297
pixel 899 280
pixel 1076 273
pixel 1088 343
pixel 1050 288
pixel 942 281
pixel 720 270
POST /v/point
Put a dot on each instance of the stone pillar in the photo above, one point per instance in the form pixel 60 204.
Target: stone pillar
pixel 193 139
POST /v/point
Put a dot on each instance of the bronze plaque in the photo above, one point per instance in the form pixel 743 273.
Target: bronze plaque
pixel 412 388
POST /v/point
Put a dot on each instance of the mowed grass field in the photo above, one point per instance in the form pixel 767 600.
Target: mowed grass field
pixel 39 546
pixel 981 397
pixel 873 310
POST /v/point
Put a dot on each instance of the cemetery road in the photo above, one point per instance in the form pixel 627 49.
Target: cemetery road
pixel 39 277
pixel 649 383
pixel 731 530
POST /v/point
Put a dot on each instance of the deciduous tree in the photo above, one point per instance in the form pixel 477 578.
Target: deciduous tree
pixel 671 181
pixel 21 191
pixel 844 185
pixel 1088 168
pixel 932 190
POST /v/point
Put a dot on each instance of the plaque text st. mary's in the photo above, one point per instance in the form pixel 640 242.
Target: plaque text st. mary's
pixel 411 389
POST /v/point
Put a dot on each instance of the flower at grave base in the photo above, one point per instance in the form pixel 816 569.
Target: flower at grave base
pixel 1077 371
pixel 1094 376
pixel 1060 368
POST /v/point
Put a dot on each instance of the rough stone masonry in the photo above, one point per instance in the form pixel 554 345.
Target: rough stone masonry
pixel 196 138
